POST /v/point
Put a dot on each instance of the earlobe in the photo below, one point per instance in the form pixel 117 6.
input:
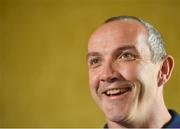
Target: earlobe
pixel 165 70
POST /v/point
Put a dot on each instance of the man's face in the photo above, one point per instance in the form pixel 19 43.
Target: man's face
pixel 122 77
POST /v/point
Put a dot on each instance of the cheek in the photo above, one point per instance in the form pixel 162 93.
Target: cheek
pixel 93 84
pixel 129 71
pixel 148 74
pixel 93 79
pixel 148 78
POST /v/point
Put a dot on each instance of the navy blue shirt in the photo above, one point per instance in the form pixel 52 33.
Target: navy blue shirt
pixel 175 120
pixel 173 123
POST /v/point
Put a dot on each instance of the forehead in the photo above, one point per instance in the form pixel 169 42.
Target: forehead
pixel 116 34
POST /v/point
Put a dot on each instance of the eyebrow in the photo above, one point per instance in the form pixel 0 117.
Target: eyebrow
pixel 126 47
pixel 92 54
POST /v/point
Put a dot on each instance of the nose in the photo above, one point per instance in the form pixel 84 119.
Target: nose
pixel 109 74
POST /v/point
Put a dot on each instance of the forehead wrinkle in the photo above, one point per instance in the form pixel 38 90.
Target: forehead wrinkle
pixel 114 51
pixel 125 32
pixel 118 29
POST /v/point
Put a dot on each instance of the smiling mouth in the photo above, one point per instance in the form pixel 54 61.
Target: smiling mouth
pixel 117 91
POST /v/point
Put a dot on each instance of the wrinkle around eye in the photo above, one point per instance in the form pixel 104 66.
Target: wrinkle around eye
pixel 127 57
pixel 94 62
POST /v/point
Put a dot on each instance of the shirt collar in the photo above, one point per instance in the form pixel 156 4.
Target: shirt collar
pixel 175 120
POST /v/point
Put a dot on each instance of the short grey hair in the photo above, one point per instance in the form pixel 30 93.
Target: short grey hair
pixel 154 41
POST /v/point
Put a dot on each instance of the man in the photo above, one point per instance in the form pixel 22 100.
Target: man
pixel 128 67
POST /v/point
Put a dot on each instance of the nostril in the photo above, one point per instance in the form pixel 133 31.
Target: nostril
pixel 111 80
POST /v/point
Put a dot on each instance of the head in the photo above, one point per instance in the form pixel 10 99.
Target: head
pixel 128 67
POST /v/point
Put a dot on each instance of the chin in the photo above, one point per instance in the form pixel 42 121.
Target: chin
pixel 115 118
pixel 117 115
pixel 120 114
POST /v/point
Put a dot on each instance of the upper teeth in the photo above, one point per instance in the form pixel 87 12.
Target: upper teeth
pixel 116 91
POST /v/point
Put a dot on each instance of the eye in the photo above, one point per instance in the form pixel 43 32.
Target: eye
pixel 94 62
pixel 127 56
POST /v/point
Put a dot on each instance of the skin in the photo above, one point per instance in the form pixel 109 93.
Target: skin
pixel 119 57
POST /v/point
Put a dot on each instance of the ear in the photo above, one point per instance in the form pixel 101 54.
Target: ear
pixel 165 70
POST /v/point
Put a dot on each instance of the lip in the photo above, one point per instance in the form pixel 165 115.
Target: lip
pixel 111 88
pixel 117 86
pixel 117 97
